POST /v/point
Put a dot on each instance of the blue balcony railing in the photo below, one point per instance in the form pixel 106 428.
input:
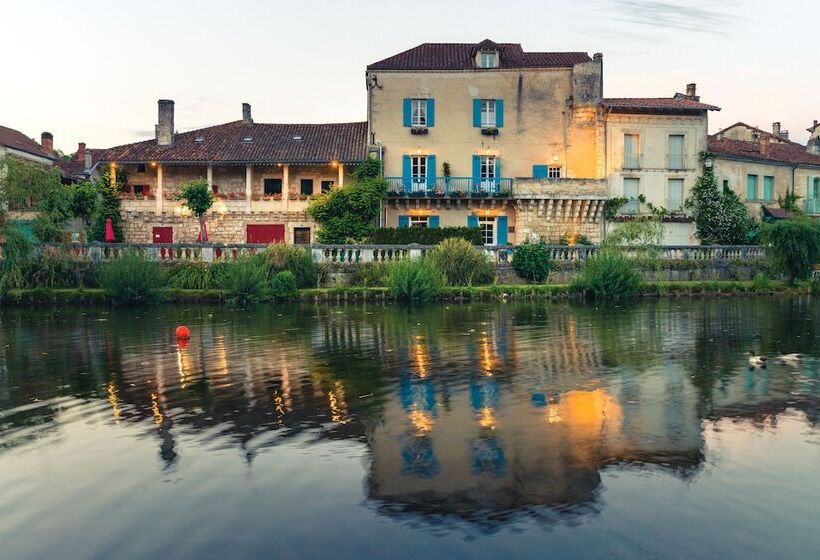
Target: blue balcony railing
pixel 813 206
pixel 448 187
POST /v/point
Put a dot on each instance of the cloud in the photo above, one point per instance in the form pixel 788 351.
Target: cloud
pixel 705 16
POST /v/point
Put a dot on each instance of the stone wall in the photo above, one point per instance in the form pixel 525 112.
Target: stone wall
pixel 230 227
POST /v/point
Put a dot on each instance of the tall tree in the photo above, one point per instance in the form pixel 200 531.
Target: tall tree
pixel 197 196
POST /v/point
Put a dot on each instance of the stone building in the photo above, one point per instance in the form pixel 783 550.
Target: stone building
pixel 263 176
pixel 762 167
pixel 523 144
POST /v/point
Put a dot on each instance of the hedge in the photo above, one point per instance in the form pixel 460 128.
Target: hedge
pixel 423 236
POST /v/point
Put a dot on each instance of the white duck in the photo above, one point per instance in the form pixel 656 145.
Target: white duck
pixel 791 359
pixel 756 361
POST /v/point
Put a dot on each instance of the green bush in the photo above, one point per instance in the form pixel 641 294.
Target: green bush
pixel 531 261
pixel 17 250
pixel 296 259
pixel 793 246
pixel 245 280
pixel 132 278
pixel 283 285
pixel 608 276
pixel 761 282
pixel 414 280
pixel 460 263
pixel 423 236
pixel 578 240
pixel 192 276
pixel 367 275
pixel 55 268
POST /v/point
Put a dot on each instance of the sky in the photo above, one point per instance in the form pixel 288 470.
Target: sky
pixel 92 71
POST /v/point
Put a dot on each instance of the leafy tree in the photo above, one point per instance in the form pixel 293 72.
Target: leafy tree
pixel 197 196
pixel 720 216
pixel 532 261
pixel 85 199
pixel 109 207
pixel 25 183
pixel 349 213
pixel 793 246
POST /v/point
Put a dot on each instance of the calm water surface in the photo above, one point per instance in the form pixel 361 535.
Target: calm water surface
pixel 381 431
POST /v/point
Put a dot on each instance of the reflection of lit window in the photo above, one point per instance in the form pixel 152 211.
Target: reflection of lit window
pixel 422 421
pixel 420 358
pixel 338 405
pixel 487 359
pixel 113 400
pixel 487 418
pixel 155 410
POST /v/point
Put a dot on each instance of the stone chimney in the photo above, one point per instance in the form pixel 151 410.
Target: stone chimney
pixel 47 142
pixel 776 129
pixel 813 147
pixel 692 90
pixel 588 81
pixel 246 114
pixel 165 120
pixel 79 155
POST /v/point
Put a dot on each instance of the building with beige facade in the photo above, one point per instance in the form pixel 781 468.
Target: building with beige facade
pixel 263 176
pixel 762 167
pixel 523 144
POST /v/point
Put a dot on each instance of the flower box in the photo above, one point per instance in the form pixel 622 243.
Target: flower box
pixel 256 196
pixel 489 131
pixel 417 130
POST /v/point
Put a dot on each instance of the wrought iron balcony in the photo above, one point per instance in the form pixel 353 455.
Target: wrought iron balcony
pixel 449 187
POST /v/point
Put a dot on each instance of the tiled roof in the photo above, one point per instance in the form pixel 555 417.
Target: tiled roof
pixel 461 56
pixel 756 129
pixel 269 143
pixel 786 152
pixel 657 103
pixel 18 141
pixel 71 168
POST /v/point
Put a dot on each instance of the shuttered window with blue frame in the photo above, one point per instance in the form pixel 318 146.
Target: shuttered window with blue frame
pixel 501 234
pixel 404 221
pixel 540 171
pixel 472 220
pixel 418 112
pixel 431 171
pixel 433 221
pixel 492 111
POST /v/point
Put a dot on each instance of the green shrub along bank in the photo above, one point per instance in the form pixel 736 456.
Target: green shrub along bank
pixel 133 279
pixel 531 261
pixel 608 276
pixel 295 259
pixel 460 263
pixel 423 236
pixel 415 280
pixel 793 246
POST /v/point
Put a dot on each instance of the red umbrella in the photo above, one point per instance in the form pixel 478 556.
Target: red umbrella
pixel 203 227
pixel 109 231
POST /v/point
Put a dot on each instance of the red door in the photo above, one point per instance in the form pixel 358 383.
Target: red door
pixel 266 233
pixel 163 234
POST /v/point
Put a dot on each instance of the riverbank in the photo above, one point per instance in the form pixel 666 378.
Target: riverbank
pixel 497 292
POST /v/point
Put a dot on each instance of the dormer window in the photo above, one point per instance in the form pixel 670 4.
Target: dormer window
pixel 247 139
pixel 488 59
pixel 297 137
pixel 199 139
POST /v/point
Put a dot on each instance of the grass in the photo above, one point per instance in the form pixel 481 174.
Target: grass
pixel 498 292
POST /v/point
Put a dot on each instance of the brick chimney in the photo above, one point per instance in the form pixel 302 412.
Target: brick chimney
pixel 246 114
pixel 165 120
pixel 764 144
pixel 776 129
pixel 79 155
pixel 692 90
pixel 47 142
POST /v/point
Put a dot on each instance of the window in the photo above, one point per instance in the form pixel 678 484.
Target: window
pixel 487 174
pixel 726 184
pixel 674 195
pixel 306 186
pixel 140 168
pixel 272 186
pixel 751 187
pixel 141 189
pixel 631 143
pixel 675 151
pixel 487 226
pixel 488 59
pixel 488 113
pixel 418 172
pixel 631 191
pixel 768 188
pixel 554 172
pixel 419 221
pixel 418 113
pixel 301 236
pixel 327 185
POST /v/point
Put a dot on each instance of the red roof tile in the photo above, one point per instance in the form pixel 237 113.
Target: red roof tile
pixel 657 103
pixel 18 141
pixel 461 56
pixel 786 152
pixel 269 143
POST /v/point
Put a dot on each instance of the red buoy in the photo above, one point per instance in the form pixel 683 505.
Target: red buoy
pixel 183 332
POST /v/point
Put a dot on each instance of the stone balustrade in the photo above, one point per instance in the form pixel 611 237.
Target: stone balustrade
pixel 354 254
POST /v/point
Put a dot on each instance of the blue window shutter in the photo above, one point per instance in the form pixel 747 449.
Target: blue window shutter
pixel 476 171
pixel 499 113
pixel 477 113
pixel 404 221
pixel 501 226
pixel 472 220
pixel 540 171
pixel 432 221
pixel 431 171
pixel 431 112
pixel 407 110
pixel 405 171
pixel 497 168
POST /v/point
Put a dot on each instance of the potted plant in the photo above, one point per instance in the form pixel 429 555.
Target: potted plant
pixel 256 196
pixel 445 167
pixel 277 196
pixel 293 196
